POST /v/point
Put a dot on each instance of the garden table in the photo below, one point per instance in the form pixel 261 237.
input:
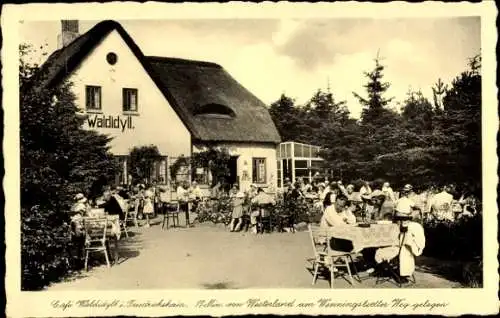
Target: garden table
pixel 377 235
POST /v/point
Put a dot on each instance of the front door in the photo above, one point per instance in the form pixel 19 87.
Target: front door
pixel 233 171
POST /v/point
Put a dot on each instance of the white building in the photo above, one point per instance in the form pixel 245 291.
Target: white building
pixel 180 106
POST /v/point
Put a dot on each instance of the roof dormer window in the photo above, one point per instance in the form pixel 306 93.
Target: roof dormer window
pixel 215 110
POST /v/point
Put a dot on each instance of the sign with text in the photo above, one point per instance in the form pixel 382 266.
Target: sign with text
pixel 110 121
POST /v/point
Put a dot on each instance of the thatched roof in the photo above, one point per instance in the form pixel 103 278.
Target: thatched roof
pixel 209 101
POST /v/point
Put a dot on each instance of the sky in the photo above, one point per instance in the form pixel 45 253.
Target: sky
pixel 299 56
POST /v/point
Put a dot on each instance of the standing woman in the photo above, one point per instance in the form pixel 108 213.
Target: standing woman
pixel 237 214
pixel 148 208
pixel 389 200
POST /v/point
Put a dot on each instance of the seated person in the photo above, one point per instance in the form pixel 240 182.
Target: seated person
pixel 336 213
pixel 412 246
pixel 78 210
pixel 295 193
pixel 404 205
pixel 307 188
pixel 365 191
pixel 215 190
pixel 292 201
pixel 183 198
pixel 182 192
pixel 195 194
pixel 112 204
pixel 321 195
pixel 261 199
pixel 377 203
pixel 80 207
pixel 389 194
pixel 164 194
pixel 122 192
pixel 350 192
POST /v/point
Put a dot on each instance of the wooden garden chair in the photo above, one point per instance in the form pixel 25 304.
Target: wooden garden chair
pixel 171 214
pixel 328 258
pixel 95 238
pixel 128 215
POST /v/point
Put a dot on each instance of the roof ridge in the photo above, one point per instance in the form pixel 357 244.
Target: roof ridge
pixel 107 25
pixel 182 82
pixel 176 60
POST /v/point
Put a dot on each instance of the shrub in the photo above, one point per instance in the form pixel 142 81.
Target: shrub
pixel 216 160
pixel 472 274
pixel 58 159
pixel 300 209
pixel 44 242
pixel 223 204
pixel 460 240
pixel 142 160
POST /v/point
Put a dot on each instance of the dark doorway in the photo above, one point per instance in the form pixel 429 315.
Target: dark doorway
pixel 287 169
pixel 233 172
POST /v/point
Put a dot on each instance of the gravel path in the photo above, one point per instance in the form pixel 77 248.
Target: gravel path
pixel 210 257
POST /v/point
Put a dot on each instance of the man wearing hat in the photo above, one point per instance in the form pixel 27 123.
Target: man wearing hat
pixel 411 245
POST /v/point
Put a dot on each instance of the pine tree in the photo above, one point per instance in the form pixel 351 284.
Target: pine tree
pixel 288 118
pixel 461 127
pixel 380 125
pixel 418 115
pixel 438 91
pixel 375 104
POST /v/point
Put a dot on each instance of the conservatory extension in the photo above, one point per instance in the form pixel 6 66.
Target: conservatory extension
pixel 297 160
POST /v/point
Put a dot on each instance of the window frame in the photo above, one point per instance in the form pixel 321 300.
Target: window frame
pixel 92 89
pixel 255 171
pixel 126 93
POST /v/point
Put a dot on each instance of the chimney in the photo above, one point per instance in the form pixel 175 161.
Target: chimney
pixel 69 32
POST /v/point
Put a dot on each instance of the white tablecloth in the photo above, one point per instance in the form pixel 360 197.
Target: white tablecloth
pixel 113 225
pixel 377 235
